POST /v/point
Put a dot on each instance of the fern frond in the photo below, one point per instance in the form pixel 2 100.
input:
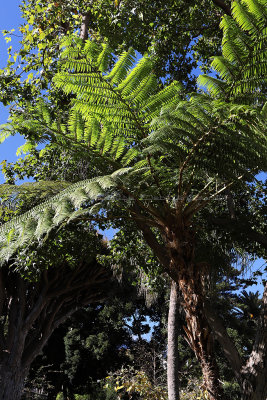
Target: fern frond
pixel 41 219
pixel 122 67
pixel 243 66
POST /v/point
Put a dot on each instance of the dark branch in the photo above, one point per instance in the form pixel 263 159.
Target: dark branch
pixel 158 249
pixel 223 6
pixel 230 351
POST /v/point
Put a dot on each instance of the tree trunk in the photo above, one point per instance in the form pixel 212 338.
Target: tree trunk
pixel 190 279
pixel 198 331
pixel 173 355
pixel 254 386
pixel 11 381
pixel 31 311
pixel 84 27
pixel 252 375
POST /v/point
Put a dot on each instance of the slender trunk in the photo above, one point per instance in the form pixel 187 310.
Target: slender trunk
pixel 11 381
pixel 84 27
pixel 173 355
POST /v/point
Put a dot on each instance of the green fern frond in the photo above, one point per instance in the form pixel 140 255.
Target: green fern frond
pixel 141 71
pixel 257 8
pixel 215 86
pixel 243 66
pixel 37 190
pixel 104 58
pixel 244 18
pixel 122 67
pixel 5 131
pixel 41 219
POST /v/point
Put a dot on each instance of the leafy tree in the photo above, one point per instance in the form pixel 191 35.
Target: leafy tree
pixel 179 154
pixel 39 291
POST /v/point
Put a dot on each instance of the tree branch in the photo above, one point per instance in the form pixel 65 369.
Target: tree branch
pixel 85 26
pixel 230 351
pixel 153 243
pixel 221 4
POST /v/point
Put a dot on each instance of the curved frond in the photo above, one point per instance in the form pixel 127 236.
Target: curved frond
pixel 41 219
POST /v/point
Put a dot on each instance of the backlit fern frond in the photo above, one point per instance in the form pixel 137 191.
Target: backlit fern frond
pixel 149 141
pixel 58 209
pixel 29 191
pixel 195 132
pixel 123 98
pixel 243 65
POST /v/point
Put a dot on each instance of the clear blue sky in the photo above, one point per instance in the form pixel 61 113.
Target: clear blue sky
pixel 9 19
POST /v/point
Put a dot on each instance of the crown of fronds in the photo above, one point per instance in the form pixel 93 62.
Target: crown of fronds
pixel 144 136
pixel 190 136
pixel 111 111
pixel 243 65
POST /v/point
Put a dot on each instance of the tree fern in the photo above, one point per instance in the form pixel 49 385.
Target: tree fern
pixel 150 143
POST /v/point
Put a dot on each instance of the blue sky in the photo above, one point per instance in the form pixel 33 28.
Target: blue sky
pixel 10 18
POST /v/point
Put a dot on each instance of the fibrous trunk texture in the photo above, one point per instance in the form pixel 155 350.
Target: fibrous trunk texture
pixel 190 279
pixel 173 354
pixel 177 258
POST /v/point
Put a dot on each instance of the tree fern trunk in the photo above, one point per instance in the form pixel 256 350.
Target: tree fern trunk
pixel 190 277
pixel 198 331
pixel 173 355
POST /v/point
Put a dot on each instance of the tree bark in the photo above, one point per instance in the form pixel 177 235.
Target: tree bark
pixel 252 375
pixel 84 27
pixel 190 279
pixel 11 380
pixel 228 346
pixel 31 311
pixel 173 354
pixel 177 258
pixel 198 331
pixel 223 6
